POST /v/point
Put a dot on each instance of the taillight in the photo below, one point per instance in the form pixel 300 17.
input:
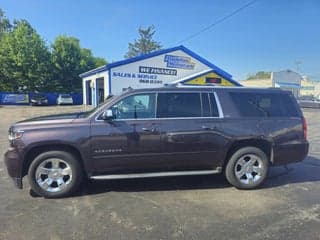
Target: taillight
pixel 304 125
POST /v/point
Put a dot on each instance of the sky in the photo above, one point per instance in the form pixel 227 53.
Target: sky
pixel 269 35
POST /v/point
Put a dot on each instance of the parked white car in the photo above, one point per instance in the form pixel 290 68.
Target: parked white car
pixel 309 102
pixel 64 99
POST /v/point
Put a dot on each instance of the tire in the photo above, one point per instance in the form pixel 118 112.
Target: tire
pixel 247 168
pixel 55 174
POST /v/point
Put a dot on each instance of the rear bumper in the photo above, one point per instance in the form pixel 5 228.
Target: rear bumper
pixel 13 162
pixel 290 153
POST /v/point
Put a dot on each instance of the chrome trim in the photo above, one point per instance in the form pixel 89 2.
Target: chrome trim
pixel 132 155
pixel 155 174
pixel 156 103
pixel 157 92
pixel 152 119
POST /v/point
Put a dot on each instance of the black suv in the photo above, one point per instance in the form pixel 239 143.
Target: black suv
pixel 168 131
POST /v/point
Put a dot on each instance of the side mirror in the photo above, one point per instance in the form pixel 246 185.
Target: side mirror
pixel 107 115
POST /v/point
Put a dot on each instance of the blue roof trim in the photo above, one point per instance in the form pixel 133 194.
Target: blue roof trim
pixel 164 51
pixel 94 71
pixel 212 71
pixel 206 62
pixel 142 57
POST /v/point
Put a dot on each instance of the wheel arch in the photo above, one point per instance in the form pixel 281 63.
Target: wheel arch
pixel 36 150
pixel 264 144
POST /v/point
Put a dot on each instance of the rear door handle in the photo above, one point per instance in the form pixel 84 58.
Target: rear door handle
pixel 204 127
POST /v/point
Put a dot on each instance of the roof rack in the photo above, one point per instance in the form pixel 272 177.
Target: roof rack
pixel 181 85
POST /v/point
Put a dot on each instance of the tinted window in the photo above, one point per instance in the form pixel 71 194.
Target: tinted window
pixel 214 108
pixel 205 105
pixel 178 105
pixel 264 105
pixel 135 106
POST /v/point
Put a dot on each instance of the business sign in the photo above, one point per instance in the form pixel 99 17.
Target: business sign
pixel 214 80
pixel 208 78
pixel 174 61
pixel 154 71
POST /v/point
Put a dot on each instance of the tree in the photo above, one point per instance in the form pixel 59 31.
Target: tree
pixel 99 61
pixel 259 75
pixel 5 25
pixel 88 61
pixel 69 60
pixel 145 44
pixel 26 63
pixel 24 59
pixel 66 57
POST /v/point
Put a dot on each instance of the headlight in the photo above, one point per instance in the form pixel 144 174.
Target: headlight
pixel 15 134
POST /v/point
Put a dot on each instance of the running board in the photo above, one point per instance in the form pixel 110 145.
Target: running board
pixel 155 174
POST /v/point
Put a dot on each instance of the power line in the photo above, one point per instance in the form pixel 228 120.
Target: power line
pixel 218 21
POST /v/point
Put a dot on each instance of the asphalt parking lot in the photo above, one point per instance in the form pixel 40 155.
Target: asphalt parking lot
pixel 197 207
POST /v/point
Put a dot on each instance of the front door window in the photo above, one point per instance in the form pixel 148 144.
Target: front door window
pixel 138 106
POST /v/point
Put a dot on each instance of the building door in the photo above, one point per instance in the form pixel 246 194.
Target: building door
pixel 88 93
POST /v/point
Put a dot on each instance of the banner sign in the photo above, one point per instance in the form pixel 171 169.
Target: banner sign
pixel 179 62
pixel 23 98
pixel 154 70
pixel 14 98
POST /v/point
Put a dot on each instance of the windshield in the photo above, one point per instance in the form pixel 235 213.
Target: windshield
pixel 65 96
pixel 39 97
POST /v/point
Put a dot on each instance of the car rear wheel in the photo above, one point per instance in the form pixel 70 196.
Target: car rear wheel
pixel 247 168
pixel 55 174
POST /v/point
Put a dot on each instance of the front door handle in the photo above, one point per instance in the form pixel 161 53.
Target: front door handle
pixel 148 129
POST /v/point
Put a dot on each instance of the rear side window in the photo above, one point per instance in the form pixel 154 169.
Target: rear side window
pixel 252 104
pixel 171 105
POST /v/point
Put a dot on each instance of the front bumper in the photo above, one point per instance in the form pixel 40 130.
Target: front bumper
pixel 65 103
pixel 13 162
pixel 39 103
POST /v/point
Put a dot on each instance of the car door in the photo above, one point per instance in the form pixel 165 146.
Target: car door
pixel 129 142
pixel 190 130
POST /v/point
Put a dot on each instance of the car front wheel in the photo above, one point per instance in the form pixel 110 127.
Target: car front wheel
pixel 54 174
pixel 247 168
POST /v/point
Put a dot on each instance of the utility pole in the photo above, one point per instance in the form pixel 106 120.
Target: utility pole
pixel 298 63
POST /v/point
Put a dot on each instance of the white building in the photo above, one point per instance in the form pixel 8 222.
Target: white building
pixel 287 80
pixel 173 65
